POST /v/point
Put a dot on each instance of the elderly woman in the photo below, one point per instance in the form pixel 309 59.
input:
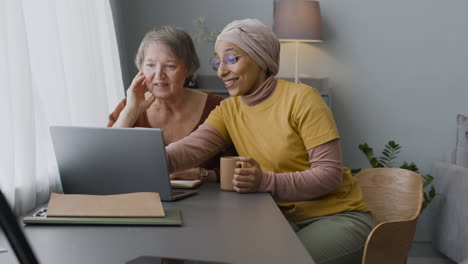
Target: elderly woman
pixel 167 61
pixel 288 135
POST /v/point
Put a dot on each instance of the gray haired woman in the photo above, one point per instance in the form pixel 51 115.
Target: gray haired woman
pixel 158 96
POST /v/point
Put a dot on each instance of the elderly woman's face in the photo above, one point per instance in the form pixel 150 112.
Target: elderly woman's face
pixel 164 73
pixel 237 70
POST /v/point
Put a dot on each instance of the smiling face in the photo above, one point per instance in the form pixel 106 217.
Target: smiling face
pixel 164 73
pixel 241 77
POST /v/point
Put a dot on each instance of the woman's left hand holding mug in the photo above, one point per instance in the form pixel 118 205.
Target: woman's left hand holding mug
pixel 247 179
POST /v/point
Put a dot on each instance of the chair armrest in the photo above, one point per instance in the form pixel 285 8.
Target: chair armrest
pixel 389 242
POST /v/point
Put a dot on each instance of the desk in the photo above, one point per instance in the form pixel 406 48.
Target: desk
pixel 218 226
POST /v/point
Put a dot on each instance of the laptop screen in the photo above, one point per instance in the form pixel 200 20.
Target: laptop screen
pixel 14 234
pixel 104 160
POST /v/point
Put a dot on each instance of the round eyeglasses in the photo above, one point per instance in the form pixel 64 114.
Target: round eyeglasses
pixel 227 59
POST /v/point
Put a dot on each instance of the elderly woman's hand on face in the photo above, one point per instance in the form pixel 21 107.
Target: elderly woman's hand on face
pixel 247 179
pixel 136 101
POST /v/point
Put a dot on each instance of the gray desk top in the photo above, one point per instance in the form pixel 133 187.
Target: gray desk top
pixel 218 226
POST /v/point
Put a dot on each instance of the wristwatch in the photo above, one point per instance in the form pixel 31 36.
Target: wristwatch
pixel 203 173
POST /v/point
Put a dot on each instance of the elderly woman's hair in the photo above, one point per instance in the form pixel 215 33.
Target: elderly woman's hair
pixel 179 42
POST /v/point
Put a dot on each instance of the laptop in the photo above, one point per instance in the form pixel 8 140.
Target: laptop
pixel 104 161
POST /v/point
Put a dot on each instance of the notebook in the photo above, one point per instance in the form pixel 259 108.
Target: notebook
pixel 171 218
pixel 103 160
pixel 115 205
pixel 117 209
pixel 185 184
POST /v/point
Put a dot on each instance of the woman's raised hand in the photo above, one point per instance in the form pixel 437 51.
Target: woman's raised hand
pixel 136 100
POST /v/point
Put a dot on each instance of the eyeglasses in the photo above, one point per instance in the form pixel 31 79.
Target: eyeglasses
pixel 228 59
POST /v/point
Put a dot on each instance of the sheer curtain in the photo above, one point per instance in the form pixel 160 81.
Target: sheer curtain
pixel 59 65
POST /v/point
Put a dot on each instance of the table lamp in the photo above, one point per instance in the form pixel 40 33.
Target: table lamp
pixel 297 21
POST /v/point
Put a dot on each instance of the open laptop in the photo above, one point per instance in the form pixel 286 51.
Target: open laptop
pixel 103 161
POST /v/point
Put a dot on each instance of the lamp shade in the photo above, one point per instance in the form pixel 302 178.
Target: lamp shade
pixel 298 20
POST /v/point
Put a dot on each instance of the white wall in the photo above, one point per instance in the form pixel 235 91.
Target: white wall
pixel 398 69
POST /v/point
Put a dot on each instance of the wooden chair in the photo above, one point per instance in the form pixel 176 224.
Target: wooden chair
pixel 395 197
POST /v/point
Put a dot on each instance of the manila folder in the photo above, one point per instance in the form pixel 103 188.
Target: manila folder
pixel 143 204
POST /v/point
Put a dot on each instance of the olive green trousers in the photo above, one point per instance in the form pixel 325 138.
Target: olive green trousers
pixel 335 239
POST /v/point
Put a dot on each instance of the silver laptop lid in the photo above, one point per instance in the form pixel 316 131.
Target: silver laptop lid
pixel 102 161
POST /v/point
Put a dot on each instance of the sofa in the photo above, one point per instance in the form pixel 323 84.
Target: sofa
pixel 451 201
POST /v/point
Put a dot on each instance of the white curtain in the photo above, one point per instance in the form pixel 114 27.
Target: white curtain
pixel 59 65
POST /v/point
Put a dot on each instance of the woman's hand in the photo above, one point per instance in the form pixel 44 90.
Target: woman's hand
pixel 136 100
pixel 247 179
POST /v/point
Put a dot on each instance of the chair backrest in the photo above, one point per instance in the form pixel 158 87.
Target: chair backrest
pixel 392 194
pixel 395 199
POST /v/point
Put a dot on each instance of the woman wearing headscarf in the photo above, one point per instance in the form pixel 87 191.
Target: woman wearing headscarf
pixel 288 135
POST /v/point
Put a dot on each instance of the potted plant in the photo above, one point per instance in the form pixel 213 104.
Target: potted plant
pixel 203 34
pixel 386 160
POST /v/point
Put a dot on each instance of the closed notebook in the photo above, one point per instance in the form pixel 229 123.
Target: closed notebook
pixel 144 204
pixel 172 218
pixel 185 184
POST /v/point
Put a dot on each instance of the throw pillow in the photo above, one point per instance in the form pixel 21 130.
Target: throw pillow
pixel 461 155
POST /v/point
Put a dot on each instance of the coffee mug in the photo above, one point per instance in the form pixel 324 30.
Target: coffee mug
pixel 228 164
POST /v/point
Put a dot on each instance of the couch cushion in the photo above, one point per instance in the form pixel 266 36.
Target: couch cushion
pixel 451 211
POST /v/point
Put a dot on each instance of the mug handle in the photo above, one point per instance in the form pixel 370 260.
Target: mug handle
pixel 243 164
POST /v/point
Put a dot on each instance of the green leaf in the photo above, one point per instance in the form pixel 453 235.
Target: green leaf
pixel 375 163
pixel 368 151
pixel 389 154
pixel 424 205
pixel 411 167
pixel 427 179
pixel 432 192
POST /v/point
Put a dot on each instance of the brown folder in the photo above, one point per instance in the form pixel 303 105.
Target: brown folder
pixel 144 204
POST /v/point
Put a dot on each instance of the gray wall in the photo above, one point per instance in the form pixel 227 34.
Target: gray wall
pixel 398 69
pixel 135 18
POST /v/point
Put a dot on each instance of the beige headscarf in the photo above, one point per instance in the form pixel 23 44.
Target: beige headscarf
pixel 257 40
